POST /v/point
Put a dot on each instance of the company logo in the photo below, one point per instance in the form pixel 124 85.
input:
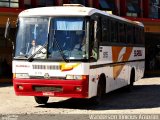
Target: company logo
pixel 137 53
pixel 46 76
pixel 26 66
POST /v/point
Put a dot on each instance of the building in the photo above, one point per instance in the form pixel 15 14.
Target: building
pixel 146 11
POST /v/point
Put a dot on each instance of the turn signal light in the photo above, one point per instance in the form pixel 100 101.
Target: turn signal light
pixel 77 77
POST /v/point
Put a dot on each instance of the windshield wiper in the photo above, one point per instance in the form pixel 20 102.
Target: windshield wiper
pixel 59 48
pixel 30 58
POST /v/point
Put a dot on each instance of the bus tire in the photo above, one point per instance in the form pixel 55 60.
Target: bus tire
pixel 132 80
pixel 101 90
pixel 41 99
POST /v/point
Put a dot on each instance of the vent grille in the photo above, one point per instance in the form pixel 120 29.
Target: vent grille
pixel 47 67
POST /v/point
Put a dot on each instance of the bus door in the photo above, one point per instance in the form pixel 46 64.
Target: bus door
pixel 94 55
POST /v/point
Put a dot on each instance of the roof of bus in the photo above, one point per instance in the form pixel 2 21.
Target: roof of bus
pixel 69 11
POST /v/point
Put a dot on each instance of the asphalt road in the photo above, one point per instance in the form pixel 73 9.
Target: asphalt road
pixel 143 100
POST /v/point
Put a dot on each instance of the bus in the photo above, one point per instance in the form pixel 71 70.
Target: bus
pixel 109 53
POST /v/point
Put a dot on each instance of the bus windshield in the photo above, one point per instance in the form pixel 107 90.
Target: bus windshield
pixel 65 37
pixel 32 34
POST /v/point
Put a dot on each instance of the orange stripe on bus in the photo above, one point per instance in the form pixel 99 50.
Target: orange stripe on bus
pixel 120 54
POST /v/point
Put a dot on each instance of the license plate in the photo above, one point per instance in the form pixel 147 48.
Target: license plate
pixel 47 89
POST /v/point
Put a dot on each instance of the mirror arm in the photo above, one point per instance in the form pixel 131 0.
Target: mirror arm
pixel 7 29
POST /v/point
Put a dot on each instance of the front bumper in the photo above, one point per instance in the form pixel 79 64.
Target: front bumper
pixel 69 88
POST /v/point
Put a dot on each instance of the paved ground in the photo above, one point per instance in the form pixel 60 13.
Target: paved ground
pixel 144 99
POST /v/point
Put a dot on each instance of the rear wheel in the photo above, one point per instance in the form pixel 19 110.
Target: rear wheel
pixel 132 80
pixel 41 100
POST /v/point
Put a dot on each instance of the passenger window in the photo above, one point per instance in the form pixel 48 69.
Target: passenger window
pixel 105 30
pixel 130 34
pixel 114 31
pixel 122 33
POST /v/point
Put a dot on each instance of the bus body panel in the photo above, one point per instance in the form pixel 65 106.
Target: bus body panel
pixel 55 77
pixel 106 65
pixel 42 77
pixel 116 63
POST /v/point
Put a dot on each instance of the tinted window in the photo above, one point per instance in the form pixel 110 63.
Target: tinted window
pixel 105 30
pixel 114 31
pixel 122 33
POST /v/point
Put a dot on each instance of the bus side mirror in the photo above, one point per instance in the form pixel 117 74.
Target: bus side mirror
pixel 7 29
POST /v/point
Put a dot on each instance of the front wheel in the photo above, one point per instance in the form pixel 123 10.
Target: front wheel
pixel 100 92
pixel 41 100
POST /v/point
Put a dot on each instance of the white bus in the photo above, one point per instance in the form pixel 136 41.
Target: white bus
pixel 80 52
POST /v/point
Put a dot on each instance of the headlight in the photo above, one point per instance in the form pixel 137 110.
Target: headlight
pixel 76 77
pixel 21 75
